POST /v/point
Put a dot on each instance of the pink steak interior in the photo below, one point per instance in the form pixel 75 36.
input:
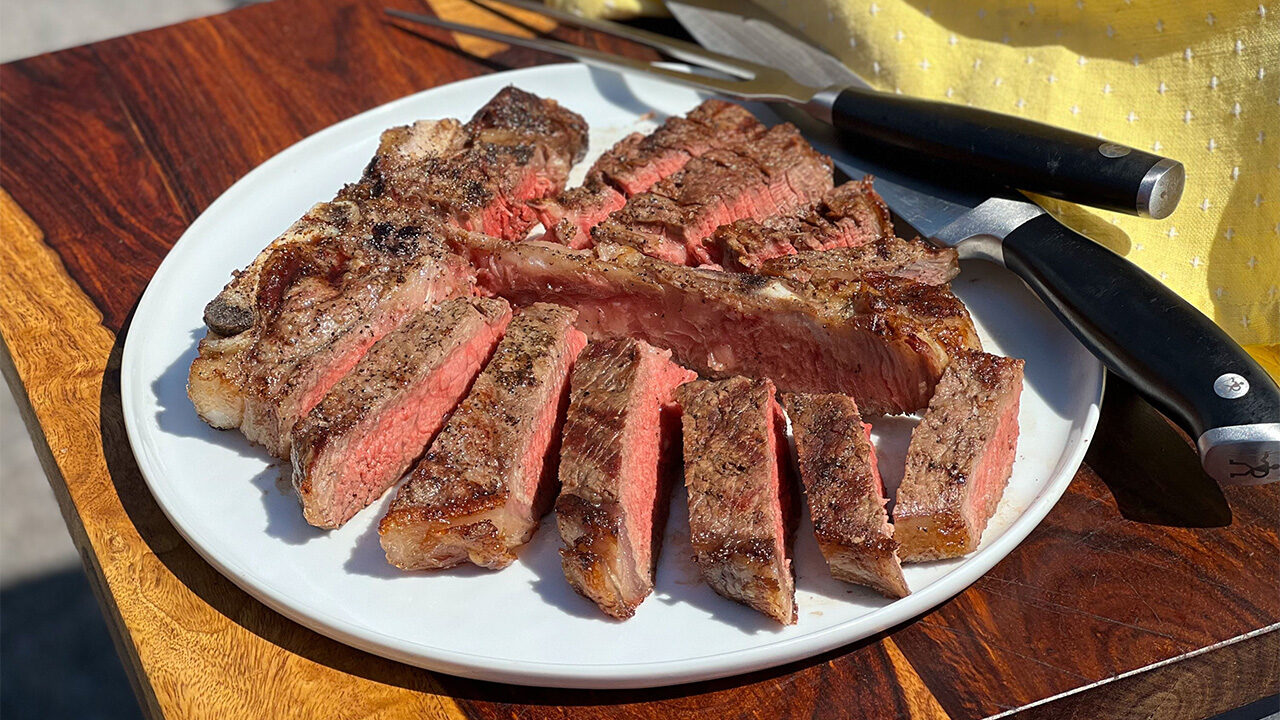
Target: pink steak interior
pixel 992 473
pixel 383 452
pixel 538 466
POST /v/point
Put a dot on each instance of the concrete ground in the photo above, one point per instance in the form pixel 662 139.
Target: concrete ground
pixel 56 658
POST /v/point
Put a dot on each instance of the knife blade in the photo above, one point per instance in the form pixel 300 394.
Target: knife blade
pixel 1207 384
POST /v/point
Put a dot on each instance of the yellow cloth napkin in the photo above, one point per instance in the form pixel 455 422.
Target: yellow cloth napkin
pixel 1195 81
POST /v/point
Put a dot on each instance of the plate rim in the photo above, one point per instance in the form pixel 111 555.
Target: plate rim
pixel 550 674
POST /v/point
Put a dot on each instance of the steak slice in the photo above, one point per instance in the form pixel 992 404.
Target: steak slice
pixel 638 161
pixel 516 148
pixel 845 493
pixel 319 305
pixel 885 343
pixel 741 507
pixel 914 260
pixel 615 470
pixel 960 458
pixel 848 216
pixel 774 173
pixel 490 475
pixel 364 435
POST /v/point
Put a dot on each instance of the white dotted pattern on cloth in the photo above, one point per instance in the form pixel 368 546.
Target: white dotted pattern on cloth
pixel 1195 81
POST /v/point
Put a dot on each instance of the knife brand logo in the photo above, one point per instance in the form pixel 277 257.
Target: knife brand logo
pixel 1259 471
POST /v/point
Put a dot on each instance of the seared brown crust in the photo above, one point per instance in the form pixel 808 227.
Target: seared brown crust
pixel 636 162
pixel 319 304
pixel 846 500
pixel 416 353
pixel 614 450
pixel 739 521
pixel 390 365
pixel 849 215
pixel 479 492
pixel 913 260
pixel 761 177
pixel 884 341
pixel 960 458
pixel 516 148
pixel 301 315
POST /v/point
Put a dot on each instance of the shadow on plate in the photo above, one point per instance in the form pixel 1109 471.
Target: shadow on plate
pixel 367 557
pixel 542 557
pixel 284 515
pixel 178 417
pixel 1026 329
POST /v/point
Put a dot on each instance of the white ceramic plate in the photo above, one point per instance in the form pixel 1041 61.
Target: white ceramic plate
pixel 524 624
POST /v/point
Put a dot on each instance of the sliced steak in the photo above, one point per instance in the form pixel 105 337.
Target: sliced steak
pixel 845 493
pixel 615 470
pixel 637 162
pixel 885 343
pixel 741 504
pixel 319 305
pixel 914 260
pixel 364 435
pixel 516 148
pixel 490 475
pixel 960 458
pixel 848 216
pixel 771 174
pixel 302 314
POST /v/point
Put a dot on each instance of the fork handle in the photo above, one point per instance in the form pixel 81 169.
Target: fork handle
pixel 1019 153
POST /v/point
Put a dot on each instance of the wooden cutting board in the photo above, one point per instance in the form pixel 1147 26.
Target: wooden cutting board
pixel 112 149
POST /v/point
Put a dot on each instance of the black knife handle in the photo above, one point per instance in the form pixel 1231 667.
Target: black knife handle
pixel 1183 363
pixel 1020 153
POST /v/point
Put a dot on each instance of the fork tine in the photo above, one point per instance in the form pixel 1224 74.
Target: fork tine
pixel 742 89
pixel 679 49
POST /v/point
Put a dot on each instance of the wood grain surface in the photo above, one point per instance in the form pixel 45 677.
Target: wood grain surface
pixel 1121 604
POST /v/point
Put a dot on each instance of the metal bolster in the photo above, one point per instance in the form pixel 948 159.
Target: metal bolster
pixel 980 233
pixel 1242 454
pixel 820 105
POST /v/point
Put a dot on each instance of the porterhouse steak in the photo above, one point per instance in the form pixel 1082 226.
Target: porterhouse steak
pixel 914 260
pixel 776 172
pixel 289 326
pixel 885 341
pixel 849 215
pixel 844 491
pixel 359 440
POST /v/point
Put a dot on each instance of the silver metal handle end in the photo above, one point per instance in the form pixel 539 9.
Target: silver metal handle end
pixel 1161 189
pixel 1242 454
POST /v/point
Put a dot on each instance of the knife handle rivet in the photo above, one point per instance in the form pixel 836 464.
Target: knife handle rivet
pixel 1112 150
pixel 1230 386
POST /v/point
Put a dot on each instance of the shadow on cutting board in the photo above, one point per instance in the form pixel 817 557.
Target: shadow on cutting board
pixel 1151 467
